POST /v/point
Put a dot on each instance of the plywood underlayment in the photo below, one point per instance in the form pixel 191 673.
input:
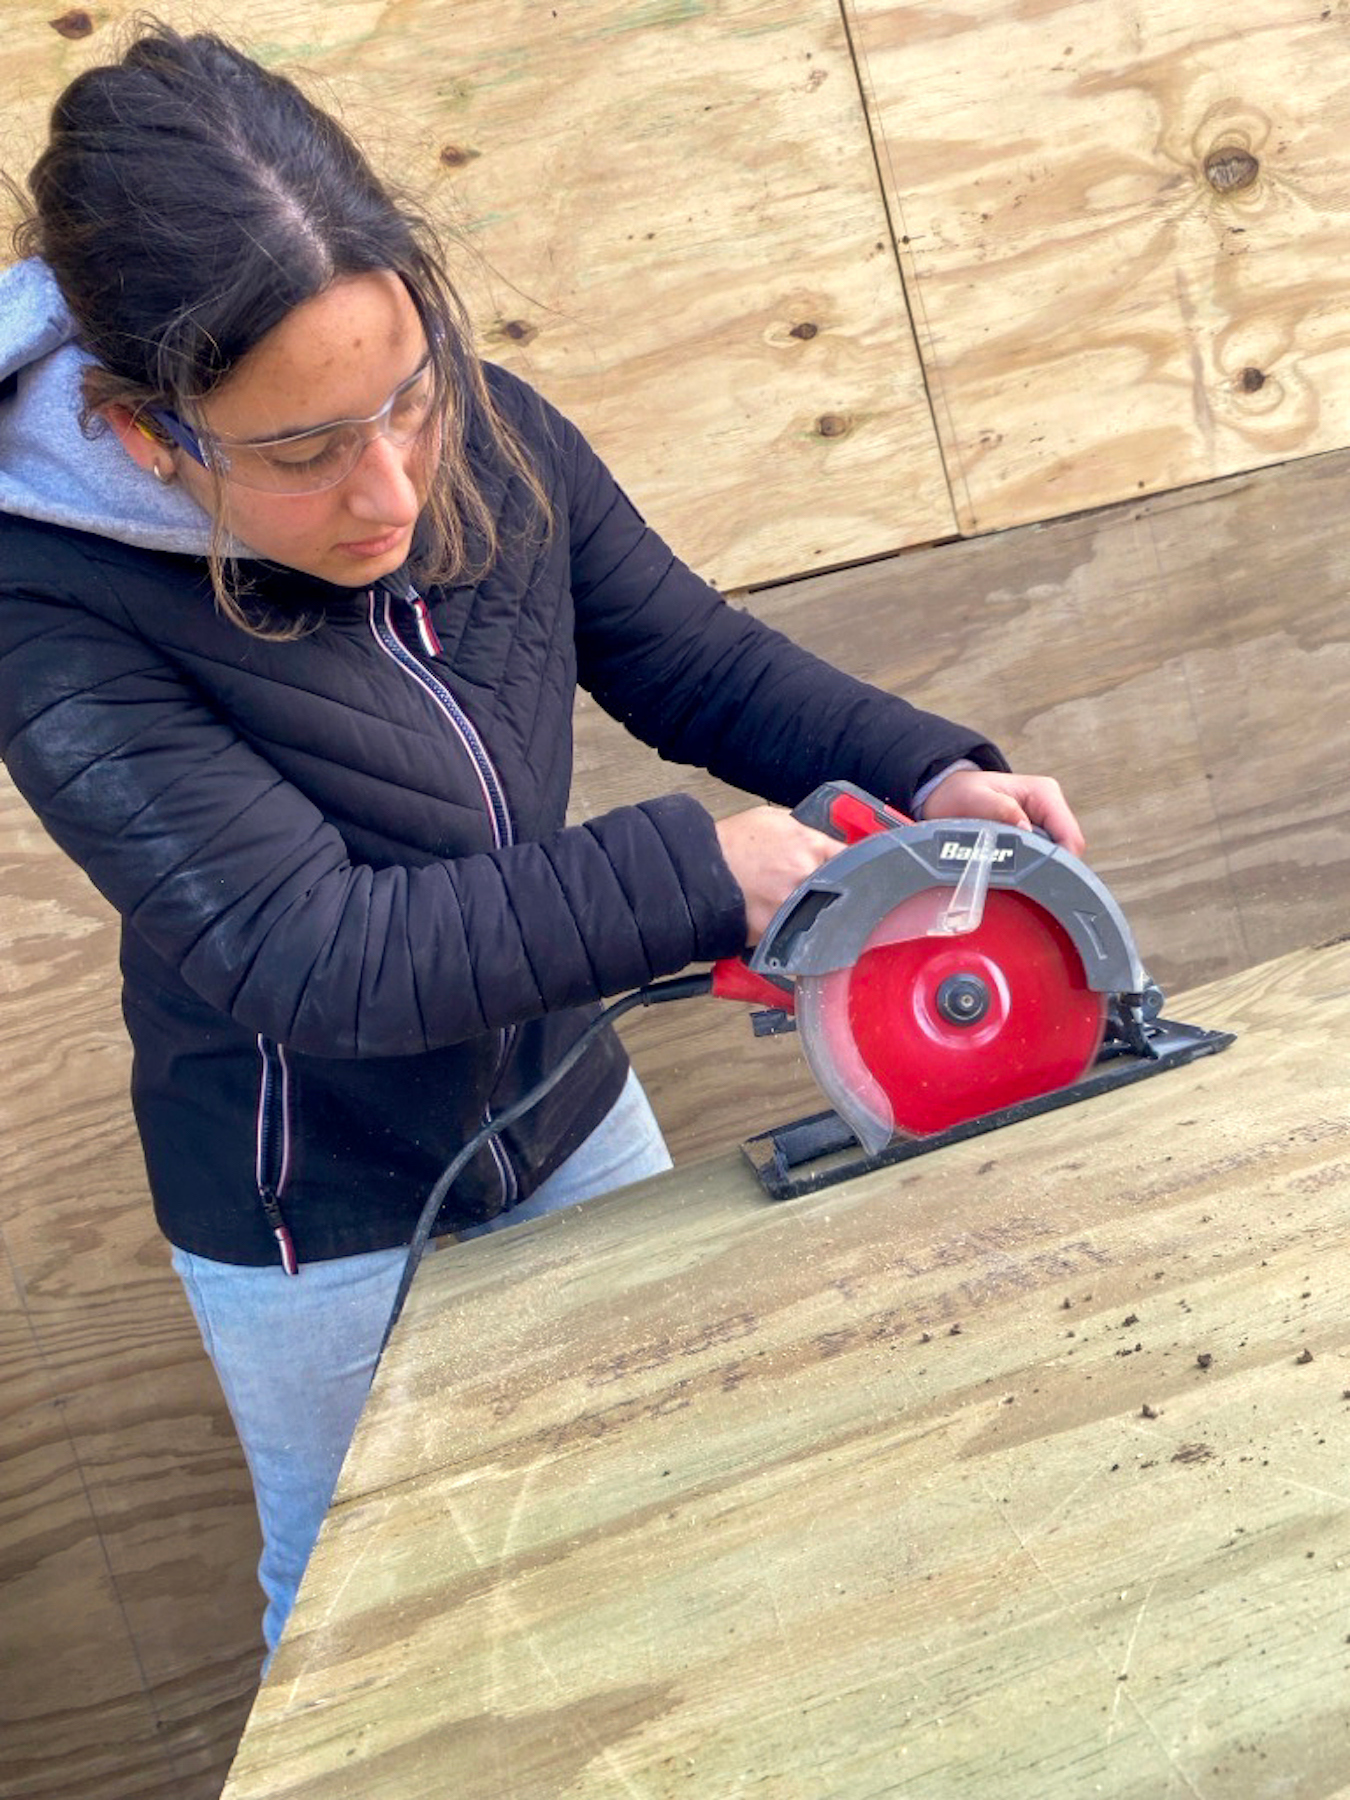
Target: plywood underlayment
pixel 1015 1470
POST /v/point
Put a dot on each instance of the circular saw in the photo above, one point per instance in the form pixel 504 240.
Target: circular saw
pixel 944 969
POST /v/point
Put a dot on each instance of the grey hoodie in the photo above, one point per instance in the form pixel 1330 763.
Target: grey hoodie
pixel 49 468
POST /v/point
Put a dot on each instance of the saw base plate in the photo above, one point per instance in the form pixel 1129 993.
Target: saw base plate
pixel 816 1152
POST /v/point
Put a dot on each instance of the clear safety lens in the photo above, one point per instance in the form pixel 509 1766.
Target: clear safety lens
pixel 310 461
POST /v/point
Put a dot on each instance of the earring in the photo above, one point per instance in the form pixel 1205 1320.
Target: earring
pixel 160 476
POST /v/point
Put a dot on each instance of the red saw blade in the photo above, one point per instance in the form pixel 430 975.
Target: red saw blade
pixel 895 1027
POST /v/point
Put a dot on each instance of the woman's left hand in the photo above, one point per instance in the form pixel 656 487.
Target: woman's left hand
pixel 1024 800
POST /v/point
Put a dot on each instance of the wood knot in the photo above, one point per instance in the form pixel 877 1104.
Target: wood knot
pixel 1252 381
pixel 73 24
pixel 805 330
pixel 1229 170
pixel 832 425
pixel 518 331
pixel 455 156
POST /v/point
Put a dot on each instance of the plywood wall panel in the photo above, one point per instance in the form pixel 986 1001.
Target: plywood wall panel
pixel 1124 230
pixel 129 1616
pixel 74 1716
pixel 706 283
pixel 669 220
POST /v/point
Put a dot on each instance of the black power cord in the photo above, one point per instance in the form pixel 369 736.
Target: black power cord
pixel 680 987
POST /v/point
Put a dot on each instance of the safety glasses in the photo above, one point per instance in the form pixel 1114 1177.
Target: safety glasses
pixel 307 462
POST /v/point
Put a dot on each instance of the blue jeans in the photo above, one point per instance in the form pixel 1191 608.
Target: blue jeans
pixel 295 1353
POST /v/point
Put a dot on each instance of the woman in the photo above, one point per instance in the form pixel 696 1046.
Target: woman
pixel 294 597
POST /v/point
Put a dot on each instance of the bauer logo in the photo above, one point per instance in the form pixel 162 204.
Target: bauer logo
pixel 954 851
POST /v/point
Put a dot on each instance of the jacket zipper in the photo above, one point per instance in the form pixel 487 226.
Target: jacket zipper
pixel 494 795
pixel 273 1163
pixel 426 631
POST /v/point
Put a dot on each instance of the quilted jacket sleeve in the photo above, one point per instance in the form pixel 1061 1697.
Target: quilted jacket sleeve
pixel 238 882
pixel 707 684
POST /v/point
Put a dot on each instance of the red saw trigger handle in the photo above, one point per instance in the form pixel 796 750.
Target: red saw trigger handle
pixel 840 810
pixel 734 979
pixel 844 811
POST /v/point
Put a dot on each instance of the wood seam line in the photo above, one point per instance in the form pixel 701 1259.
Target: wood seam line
pixel 913 302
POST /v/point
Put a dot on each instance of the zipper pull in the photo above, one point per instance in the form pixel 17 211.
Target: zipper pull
pixel 281 1231
pixel 290 1262
pixel 426 631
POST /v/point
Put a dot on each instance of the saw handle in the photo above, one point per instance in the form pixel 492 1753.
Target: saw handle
pixel 844 811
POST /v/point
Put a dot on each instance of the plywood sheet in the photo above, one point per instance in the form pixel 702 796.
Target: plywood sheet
pixel 1017 1470
pixel 76 1719
pixel 668 219
pixel 130 1641
pixel 1124 230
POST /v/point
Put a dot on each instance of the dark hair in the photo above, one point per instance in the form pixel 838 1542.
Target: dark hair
pixel 188 199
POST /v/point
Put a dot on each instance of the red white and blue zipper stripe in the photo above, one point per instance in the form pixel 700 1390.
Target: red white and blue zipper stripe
pixel 381 602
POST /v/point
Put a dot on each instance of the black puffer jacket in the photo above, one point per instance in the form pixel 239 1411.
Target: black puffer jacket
pixel 354 925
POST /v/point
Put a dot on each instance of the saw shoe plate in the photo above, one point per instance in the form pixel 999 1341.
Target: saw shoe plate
pixel 924 1032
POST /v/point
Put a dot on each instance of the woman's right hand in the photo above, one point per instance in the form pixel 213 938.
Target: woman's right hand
pixel 769 854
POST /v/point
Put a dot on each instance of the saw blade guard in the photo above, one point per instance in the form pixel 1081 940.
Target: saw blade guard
pixel 945 968
pixel 831 1049
pixel 925 1030
pixel 838 1068
pixel 826 923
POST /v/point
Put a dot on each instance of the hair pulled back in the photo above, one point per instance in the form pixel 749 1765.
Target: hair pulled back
pixel 187 200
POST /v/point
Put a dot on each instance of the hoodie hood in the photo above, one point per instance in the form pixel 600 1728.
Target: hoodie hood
pixel 49 469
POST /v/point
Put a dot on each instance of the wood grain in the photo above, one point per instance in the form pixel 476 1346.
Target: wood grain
pixel 667 216
pixel 1014 1470
pixel 1123 230
pixel 129 1618
pixel 683 241
pixel 50 1563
